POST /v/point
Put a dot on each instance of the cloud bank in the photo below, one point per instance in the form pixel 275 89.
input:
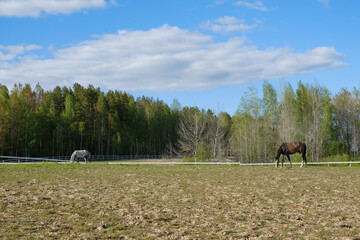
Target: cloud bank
pixel 35 8
pixel 161 59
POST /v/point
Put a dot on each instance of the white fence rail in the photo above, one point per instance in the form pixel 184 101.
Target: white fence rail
pixel 10 159
pixel 64 159
pixel 103 159
pixel 119 157
pixel 231 163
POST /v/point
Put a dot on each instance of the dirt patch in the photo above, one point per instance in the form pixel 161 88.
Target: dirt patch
pixel 178 202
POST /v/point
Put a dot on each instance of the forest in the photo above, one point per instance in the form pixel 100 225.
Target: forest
pixel 35 122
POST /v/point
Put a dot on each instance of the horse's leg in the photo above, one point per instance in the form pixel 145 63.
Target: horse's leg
pixel 282 161
pixel 277 163
pixel 304 160
pixel 289 160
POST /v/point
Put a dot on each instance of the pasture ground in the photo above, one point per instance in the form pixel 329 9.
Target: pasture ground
pixel 75 201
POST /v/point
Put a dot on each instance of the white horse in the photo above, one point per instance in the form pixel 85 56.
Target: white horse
pixel 85 154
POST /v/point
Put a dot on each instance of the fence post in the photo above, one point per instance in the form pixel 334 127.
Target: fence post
pixel 19 160
pixel 350 164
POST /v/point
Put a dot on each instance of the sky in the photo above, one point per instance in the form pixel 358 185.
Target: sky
pixel 204 53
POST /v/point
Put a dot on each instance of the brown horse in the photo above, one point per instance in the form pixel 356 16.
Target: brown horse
pixel 291 148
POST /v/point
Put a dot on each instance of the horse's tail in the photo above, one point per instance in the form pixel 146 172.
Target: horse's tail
pixel 278 153
pixel 304 152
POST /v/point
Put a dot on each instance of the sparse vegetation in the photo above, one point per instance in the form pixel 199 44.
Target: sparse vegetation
pixel 75 201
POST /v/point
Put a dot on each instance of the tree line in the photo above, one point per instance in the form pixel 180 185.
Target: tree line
pixel 35 122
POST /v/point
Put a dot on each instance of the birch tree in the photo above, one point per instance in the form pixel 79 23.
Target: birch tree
pixel 191 131
pixel 270 121
pixel 217 135
pixel 248 135
pixel 287 117
pixel 346 108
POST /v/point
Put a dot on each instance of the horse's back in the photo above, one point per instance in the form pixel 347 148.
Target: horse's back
pixel 293 147
pixel 81 153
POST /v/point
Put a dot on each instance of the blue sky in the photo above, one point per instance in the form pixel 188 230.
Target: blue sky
pixel 202 53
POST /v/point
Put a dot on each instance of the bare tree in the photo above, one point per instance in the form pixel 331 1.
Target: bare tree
pixel 216 136
pixel 191 131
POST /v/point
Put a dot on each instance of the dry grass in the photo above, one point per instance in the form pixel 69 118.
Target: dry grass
pixel 54 201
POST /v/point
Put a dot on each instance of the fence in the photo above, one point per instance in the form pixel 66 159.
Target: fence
pixel 100 158
pixel 120 157
pixel 233 163
pixel 9 159
pixel 110 159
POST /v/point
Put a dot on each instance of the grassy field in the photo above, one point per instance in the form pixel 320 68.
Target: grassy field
pixel 73 201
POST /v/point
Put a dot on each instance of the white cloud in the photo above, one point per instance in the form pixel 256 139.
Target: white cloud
pixel 325 2
pixel 35 8
pixel 258 5
pixel 228 24
pixel 164 59
pixel 11 52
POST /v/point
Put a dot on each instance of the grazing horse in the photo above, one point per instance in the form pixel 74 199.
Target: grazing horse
pixel 85 154
pixel 291 148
